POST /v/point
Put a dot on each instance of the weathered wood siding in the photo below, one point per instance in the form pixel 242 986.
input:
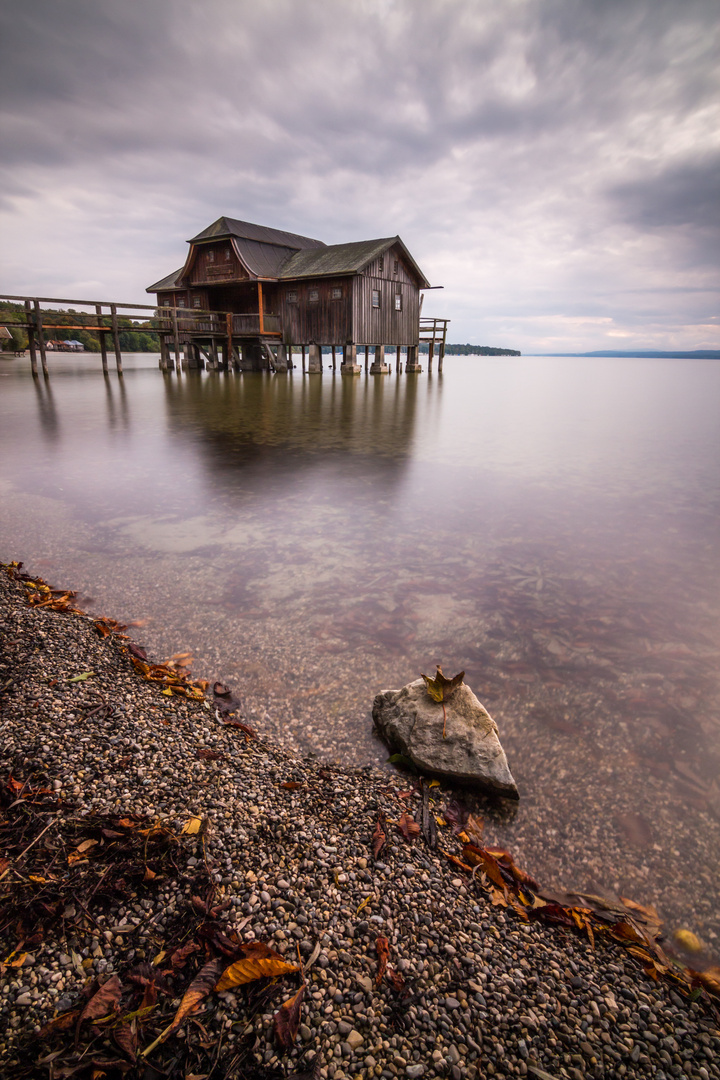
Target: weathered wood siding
pixel 326 321
pixel 216 264
pixel 385 325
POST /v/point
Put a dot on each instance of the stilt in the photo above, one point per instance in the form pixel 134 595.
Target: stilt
pixel 412 367
pixel 378 366
pixel 333 357
pixel 366 359
pixel 116 339
pixel 315 360
pixel 349 364
pixel 103 343
pixel 40 337
pixel 31 338
pixel 303 359
pixel 431 354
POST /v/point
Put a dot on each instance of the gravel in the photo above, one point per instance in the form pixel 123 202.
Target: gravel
pixel 486 995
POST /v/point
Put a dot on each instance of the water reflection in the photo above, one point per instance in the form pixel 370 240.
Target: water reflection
pixel 552 529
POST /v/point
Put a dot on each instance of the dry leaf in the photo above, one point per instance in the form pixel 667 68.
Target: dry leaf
pixel 379 837
pixel 287 1019
pixel 245 971
pixel 191 827
pixel 197 991
pixel 408 826
pixel 104 1002
pixel 382 946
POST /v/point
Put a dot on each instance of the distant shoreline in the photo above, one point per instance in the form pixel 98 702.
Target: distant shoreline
pixel 643 354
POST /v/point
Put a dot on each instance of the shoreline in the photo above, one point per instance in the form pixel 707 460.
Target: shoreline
pixel 281 852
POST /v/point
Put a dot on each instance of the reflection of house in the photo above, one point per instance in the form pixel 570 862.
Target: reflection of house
pixel 278 289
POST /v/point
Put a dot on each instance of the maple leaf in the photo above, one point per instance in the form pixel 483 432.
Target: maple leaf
pixel 440 688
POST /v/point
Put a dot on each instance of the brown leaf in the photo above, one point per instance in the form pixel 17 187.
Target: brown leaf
pixel 249 732
pixel 60 1023
pixel 209 755
pixel 125 1035
pixel 710 979
pixel 396 980
pixel 179 957
pixel 197 991
pixel 251 968
pixel 408 826
pixel 382 946
pixel 104 1001
pixel 440 688
pixel 287 1019
pixel 220 690
pixel 292 785
pixel 379 837
pixel 474 829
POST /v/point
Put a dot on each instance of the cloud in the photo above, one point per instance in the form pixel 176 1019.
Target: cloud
pixel 536 155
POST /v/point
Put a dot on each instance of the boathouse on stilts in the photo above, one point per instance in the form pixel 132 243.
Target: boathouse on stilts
pixel 262 295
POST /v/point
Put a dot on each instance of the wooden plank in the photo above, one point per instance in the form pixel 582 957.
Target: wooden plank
pixel 260 307
pixel 176 338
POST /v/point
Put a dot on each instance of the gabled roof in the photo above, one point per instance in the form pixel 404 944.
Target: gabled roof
pixel 245 230
pixel 262 260
pixel 167 283
pixel 346 259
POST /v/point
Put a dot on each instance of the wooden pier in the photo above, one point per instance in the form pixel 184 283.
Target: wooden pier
pixel 199 338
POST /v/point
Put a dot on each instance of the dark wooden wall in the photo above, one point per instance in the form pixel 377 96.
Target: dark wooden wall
pixel 325 322
pixel 385 325
pixel 219 268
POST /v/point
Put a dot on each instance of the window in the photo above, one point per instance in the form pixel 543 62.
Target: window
pixel 398 301
pixel 292 298
pixel 395 266
pixel 197 301
pixel 228 254
pixel 381 264
pixel 166 303
pixel 181 301
pixel 314 296
pixel 376 298
pixel 336 293
pixel 211 256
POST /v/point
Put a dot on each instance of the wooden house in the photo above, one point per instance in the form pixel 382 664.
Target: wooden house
pixel 254 292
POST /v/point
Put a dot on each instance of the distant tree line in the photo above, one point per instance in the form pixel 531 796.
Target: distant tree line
pixel 145 341
pixel 478 350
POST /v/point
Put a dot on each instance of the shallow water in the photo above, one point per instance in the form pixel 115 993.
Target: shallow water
pixel 548 524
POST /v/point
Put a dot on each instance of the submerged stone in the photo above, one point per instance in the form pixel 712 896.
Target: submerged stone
pixel 411 723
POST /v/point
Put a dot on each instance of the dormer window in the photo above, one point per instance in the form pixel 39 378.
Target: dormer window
pixel 211 256
pixel 381 264
pixel 228 254
pixel 395 266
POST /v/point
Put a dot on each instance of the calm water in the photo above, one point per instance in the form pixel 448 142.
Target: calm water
pixel 550 525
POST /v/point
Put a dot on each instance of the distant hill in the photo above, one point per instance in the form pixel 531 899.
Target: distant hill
pixel 474 350
pixel 648 354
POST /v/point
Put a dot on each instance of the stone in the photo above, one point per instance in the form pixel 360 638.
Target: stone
pixel 354 1039
pixel 411 723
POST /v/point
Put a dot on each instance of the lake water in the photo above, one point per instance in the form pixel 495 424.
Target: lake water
pixel 550 525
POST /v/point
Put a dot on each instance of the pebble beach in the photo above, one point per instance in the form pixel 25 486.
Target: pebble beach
pixel 225 839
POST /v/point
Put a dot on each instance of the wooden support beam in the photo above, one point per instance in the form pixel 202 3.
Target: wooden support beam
pixel 260 308
pixel 229 326
pixel 176 337
pixel 431 353
pixel 116 338
pixel 103 343
pixel 333 357
pixel 366 359
pixel 303 359
pixel 40 337
pixel 31 338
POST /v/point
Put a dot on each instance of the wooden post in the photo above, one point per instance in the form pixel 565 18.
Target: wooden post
pixel 229 326
pixel 303 359
pixel 398 359
pixel 431 352
pixel 40 337
pixel 333 356
pixel 260 308
pixel 116 339
pixel 31 337
pixel 176 336
pixel 164 360
pixel 366 359
pixel 103 345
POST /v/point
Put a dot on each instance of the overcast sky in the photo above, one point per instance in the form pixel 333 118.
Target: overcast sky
pixel 554 164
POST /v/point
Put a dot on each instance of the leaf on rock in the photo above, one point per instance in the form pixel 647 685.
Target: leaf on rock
pixel 191 827
pixel 382 946
pixel 260 962
pixel 292 785
pixel 287 1019
pixel 104 1002
pixel 440 688
pixel 197 991
pixel 379 837
pixel 209 755
pixel 408 827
